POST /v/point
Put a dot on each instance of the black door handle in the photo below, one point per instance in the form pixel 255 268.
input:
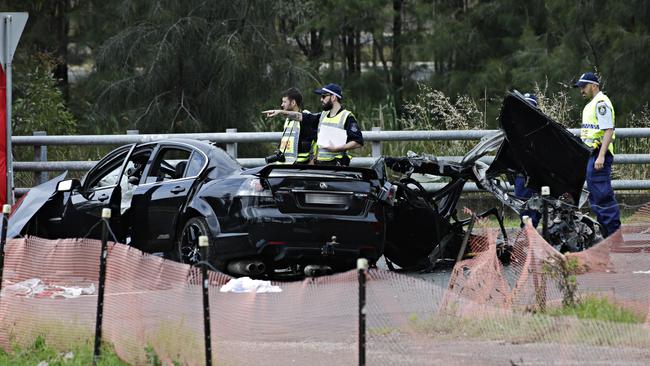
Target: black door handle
pixel 103 197
pixel 178 189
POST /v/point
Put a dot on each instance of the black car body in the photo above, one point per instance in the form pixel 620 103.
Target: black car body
pixel 163 195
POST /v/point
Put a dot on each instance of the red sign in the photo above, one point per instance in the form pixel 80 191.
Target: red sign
pixel 3 137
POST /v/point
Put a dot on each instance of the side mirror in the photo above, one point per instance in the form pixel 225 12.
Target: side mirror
pixel 68 185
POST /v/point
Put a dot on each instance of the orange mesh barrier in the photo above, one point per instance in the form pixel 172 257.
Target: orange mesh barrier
pixel 481 312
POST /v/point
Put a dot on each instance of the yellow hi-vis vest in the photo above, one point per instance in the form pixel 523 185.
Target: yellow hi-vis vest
pixel 290 143
pixel 337 121
pixel 590 131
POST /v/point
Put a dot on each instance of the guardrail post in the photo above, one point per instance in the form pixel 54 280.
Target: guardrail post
pixel 376 145
pixel 231 147
pixel 6 209
pixel 106 216
pixel 203 245
pixel 362 267
pixel 40 155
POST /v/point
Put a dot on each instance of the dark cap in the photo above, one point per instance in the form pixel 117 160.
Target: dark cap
pixel 587 78
pixel 331 88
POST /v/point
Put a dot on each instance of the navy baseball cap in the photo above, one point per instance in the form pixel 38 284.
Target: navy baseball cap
pixel 587 78
pixel 531 99
pixel 331 88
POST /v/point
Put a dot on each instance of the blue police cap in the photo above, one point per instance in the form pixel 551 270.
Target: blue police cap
pixel 531 99
pixel 587 78
pixel 331 88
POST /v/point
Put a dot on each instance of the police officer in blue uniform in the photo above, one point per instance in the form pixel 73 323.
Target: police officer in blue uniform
pixel 597 132
pixel 334 116
pixel 521 191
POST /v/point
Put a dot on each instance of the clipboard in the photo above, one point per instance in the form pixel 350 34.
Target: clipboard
pixel 331 136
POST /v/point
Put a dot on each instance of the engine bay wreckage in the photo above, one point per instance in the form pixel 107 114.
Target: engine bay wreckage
pixel 530 144
pixel 299 217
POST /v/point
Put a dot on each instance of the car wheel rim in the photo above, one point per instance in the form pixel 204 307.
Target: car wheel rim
pixel 189 248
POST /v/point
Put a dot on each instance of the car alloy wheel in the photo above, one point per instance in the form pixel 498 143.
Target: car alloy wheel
pixel 188 244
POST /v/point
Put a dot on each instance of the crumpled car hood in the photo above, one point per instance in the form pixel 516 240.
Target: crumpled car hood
pixel 29 205
pixel 549 154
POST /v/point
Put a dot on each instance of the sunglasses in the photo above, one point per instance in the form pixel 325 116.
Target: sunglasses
pixel 325 96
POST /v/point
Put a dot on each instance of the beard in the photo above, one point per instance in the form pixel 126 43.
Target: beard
pixel 327 106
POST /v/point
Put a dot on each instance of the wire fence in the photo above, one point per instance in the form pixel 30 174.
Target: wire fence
pixel 482 312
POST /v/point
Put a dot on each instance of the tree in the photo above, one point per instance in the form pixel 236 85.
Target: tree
pixel 189 66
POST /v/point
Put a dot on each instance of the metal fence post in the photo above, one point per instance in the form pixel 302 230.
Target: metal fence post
pixel 106 215
pixel 376 145
pixel 231 147
pixel 362 267
pixel 203 245
pixel 40 154
pixel 6 209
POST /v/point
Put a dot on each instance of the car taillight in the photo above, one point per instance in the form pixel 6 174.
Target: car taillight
pixel 253 187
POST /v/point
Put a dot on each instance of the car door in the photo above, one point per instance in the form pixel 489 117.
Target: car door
pixel 100 189
pixel 159 200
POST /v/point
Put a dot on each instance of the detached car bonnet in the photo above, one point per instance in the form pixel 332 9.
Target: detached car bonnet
pixel 549 154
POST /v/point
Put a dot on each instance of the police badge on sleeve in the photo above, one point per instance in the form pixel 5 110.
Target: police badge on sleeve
pixel 602 109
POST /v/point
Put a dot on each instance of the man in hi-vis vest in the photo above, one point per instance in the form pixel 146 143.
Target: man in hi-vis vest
pixel 334 117
pixel 297 144
pixel 597 132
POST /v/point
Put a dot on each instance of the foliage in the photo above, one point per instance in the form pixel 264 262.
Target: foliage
pixel 433 110
pixel 39 351
pixel 564 270
pixel 167 66
pixel 38 103
pixel 598 308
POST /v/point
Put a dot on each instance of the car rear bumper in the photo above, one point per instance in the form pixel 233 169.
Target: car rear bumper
pixel 281 239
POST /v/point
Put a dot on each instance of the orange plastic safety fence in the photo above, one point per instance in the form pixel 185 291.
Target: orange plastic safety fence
pixel 480 312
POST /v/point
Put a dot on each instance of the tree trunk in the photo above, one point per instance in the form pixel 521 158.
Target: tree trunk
pixel 397 55
pixel 357 50
pixel 61 26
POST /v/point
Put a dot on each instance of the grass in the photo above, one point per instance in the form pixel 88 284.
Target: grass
pixel 39 351
pixel 598 308
pixel 593 321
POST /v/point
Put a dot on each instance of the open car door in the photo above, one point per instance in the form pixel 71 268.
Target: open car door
pixel 101 188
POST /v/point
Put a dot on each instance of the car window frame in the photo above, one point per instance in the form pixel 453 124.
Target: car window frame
pixel 103 166
pixel 180 146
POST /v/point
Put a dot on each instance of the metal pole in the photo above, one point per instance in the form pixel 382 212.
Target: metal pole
pixel 468 233
pixel 203 245
pixel 362 267
pixel 231 148
pixel 376 145
pixel 6 209
pixel 106 215
pixel 546 192
pixel 40 155
pixel 7 53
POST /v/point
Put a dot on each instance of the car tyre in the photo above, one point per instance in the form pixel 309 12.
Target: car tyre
pixel 187 248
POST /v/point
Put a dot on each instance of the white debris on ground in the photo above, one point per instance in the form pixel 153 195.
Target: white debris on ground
pixel 641 272
pixel 246 284
pixel 35 287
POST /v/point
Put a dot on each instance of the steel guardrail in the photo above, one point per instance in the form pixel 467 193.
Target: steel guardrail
pixel 231 138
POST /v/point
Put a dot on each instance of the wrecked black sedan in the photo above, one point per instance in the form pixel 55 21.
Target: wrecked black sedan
pixel 423 226
pixel 164 195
